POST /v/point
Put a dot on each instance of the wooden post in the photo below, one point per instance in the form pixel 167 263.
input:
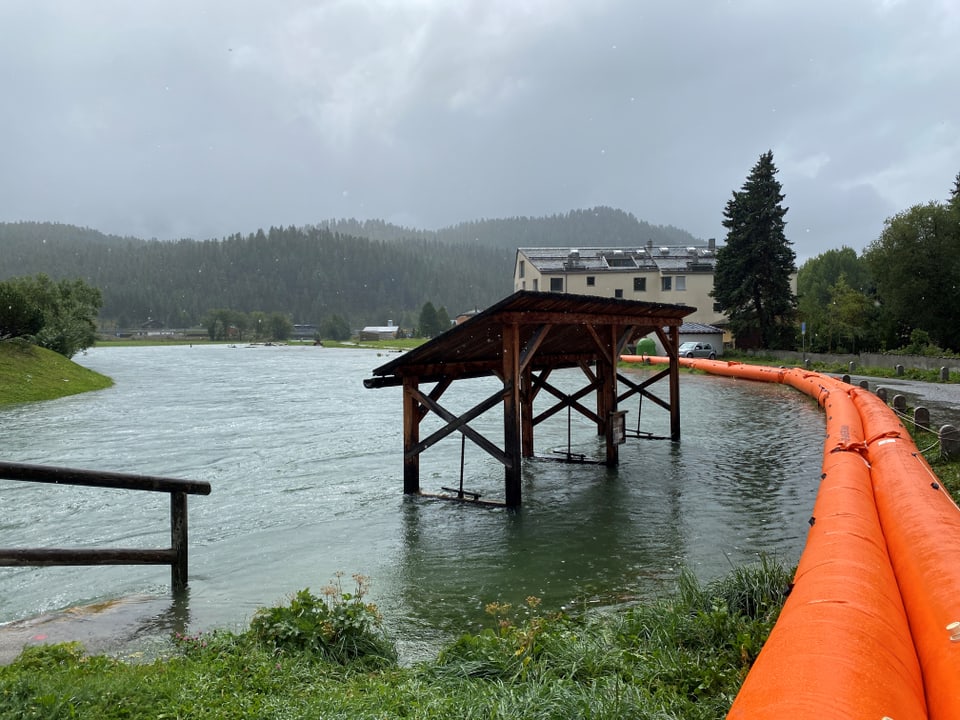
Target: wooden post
pixel 526 412
pixel 603 396
pixel 674 383
pixel 511 414
pixel 411 438
pixel 609 389
pixel 178 541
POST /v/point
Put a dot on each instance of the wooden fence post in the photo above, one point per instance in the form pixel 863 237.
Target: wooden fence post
pixel 178 541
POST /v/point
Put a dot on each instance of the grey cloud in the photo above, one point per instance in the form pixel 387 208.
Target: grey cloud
pixel 184 119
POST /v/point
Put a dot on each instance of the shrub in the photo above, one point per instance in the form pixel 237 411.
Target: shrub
pixel 338 626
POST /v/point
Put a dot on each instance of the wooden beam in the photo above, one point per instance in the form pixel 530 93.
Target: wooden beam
pixel 411 436
pixel 100 478
pixel 542 317
pixel 527 395
pixel 45 557
pixel 626 336
pixel 532 345
pixel 511 414
pixel 567 400
pixel 609 390
pixel 455 423
pixel 642 388
pixel 674 384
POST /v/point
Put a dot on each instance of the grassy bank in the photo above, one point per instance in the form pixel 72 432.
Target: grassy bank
pixel 385 345
pixel 946 468
pixel 325 656
pixel 841 368
pixel 29 373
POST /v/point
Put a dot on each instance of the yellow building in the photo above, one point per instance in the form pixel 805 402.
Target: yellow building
pixel 679 275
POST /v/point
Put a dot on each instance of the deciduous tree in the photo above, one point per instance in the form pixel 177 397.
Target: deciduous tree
pixel 281 327
pixel 335 328
pixel 19 317
pixel 69 309
pixel 819 281
pixel 915 264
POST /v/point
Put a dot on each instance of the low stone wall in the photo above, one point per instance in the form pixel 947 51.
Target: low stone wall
pixel 921 362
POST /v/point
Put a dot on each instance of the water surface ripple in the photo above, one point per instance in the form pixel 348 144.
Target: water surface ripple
pixel 306 470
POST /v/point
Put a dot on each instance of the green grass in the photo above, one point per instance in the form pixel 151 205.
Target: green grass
pixel 404 344
pixel 385 345
pixel 946 468
pixel 684 656
pixel 29 373
pixel 839 368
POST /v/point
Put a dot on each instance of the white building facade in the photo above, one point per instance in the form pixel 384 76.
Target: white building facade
pixel 679 275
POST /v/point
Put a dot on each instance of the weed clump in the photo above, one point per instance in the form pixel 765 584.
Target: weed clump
pixel 337 625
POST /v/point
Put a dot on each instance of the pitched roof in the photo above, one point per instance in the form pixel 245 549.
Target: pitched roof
pixel 563 325
pixel 693 327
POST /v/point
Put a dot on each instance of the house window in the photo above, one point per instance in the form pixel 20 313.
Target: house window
pixel 666 284
pixel 556 284
pixel 536 284
pixel 717 308
pixel 681 282
pixel 618 293
pixel 523 268
pixel 591 281
pixel 639 284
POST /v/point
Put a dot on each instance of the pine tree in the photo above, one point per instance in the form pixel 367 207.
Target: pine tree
pixel 429 325
pixel 752 277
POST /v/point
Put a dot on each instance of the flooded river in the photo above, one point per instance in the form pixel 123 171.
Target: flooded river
pixel 305 466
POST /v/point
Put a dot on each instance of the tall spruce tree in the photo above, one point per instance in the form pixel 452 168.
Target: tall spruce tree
pixel 752 278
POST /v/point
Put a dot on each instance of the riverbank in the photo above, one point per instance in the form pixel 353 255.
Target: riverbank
pixel 29 373
pixel 909 367
pixel 683 656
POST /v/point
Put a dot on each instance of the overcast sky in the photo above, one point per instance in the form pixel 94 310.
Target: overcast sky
pixel 185 118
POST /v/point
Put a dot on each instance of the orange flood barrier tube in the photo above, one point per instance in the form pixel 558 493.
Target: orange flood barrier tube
pixel 872 626
pixel 841 647
pixel 921 525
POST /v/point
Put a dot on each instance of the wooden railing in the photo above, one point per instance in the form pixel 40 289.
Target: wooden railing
pixel 175 556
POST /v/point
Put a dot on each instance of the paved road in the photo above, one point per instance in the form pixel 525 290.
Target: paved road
pixel 941 399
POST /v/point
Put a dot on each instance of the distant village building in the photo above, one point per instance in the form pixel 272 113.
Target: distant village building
pixel 151 324
pixel 380 332
pixel 304 332
pixel 678 275
pixel 464 316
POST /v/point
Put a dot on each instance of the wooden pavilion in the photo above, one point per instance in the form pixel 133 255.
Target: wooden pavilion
pixel 521 340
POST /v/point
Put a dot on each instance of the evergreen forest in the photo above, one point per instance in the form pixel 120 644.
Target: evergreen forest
pixel 366 272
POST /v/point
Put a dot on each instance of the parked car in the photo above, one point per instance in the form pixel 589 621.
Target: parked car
pixel 698 349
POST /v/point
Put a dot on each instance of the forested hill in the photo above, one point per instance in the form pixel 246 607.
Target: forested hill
pixel 578 228
pixel 309 274
pixel 366 272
